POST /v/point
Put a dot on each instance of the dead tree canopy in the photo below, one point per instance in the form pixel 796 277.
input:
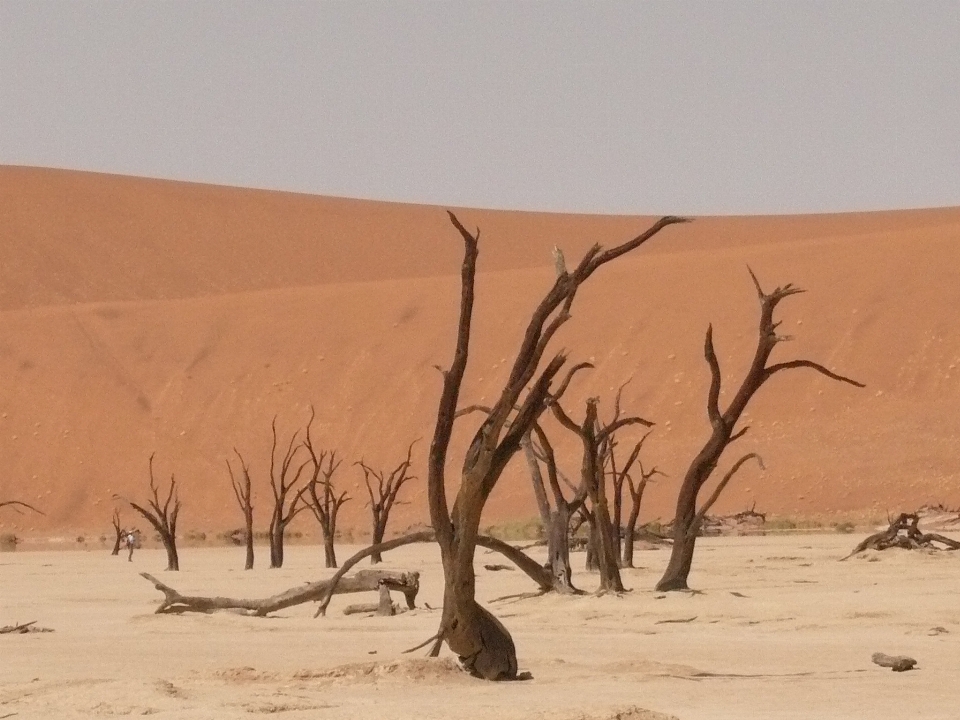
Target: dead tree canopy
pixel 724 430
pixel 383 488
pixel 483 644
pixel 407 583
pixel 162 516
pixel 904 533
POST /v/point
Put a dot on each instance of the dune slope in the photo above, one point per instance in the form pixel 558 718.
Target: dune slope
pixel 141 316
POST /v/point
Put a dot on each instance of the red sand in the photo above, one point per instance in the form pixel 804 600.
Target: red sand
pixel 142 315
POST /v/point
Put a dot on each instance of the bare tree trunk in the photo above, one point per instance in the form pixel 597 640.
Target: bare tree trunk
pixel 558 550
pixel 248 538
pixel 377 538
pixel 329 551
pixel 687 520
pixel 276 544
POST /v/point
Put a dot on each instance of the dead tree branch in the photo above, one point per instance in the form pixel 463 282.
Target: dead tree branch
pixel 15 504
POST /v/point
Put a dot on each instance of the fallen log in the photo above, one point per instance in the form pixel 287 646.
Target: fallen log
pixel 407 583
pixel 897 663
pixel 904 533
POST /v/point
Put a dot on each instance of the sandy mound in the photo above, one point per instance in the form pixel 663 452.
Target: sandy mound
pixel 441 670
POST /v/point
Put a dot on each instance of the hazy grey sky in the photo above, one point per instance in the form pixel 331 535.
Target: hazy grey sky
pixel 711 106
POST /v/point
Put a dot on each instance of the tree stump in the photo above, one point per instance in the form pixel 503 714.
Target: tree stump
pixel 897 663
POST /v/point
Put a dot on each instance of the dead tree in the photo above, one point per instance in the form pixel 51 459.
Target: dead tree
pixel 483 644
pixel 119 532
pixel 480 640
pixel 636 489
pixel 283 480
pixel 383 495
pixel 723 423
pixel 242 492
pixel 326 503
pixel 16 504
pixel 904 533
pixel 555 517
pixel 163 517
pixel 595 440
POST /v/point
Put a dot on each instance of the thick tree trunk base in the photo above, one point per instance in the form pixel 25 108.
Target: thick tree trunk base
pixel 364 581
pixel 681 558
pixel 484 646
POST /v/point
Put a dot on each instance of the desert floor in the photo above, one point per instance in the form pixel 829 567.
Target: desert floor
pixel 795 642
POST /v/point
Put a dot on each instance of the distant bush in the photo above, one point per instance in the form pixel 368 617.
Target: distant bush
pixel 844 527
pixel 8 542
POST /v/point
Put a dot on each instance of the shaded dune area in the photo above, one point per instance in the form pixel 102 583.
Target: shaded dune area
pixel 141 316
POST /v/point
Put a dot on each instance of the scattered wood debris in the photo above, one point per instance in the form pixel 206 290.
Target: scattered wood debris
pixel 24 628
pixel 904 533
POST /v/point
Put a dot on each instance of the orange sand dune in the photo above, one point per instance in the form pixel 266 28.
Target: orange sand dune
pixel 141 316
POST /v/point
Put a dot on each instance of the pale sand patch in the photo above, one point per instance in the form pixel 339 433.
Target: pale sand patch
pixel 795 642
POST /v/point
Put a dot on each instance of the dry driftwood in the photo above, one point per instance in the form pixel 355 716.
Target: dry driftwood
pixel 897 663
pixel 904 533
pixel 23 629
pixel 364 581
